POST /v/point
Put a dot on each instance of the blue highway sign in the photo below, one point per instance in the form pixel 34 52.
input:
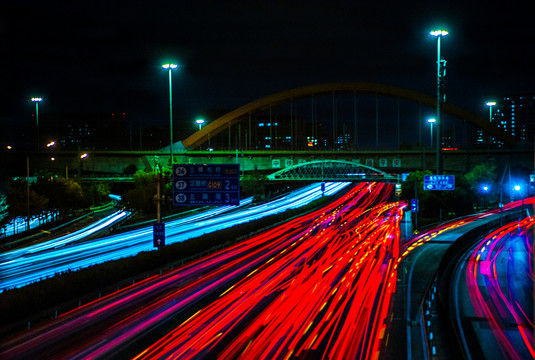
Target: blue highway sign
pixel 439 182
pixel 206 184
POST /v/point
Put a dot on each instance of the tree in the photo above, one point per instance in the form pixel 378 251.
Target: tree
pixel 141 197
pixel 253 185
pixel 98 193
pixel 64 194
pixel 19 199
pixel 482 183
pixel 451 203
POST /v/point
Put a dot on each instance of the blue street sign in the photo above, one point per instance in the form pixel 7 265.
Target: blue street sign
pixel 158 232
pixel 206 184
pixel 415 205
pixel 439 182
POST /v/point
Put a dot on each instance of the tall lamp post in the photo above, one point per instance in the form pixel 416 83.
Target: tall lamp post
pixel 37 100
pixel 170 67
pixel 490 104
pixel 431 122
pixel 439 34
pixel 199 122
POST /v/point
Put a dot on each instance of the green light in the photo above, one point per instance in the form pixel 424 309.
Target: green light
pixel 169 66
pixel 439 33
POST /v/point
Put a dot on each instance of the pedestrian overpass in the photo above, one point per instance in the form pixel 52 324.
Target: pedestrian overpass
pixel 331 170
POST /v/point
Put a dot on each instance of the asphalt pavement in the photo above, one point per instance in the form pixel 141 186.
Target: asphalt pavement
pixel 416 331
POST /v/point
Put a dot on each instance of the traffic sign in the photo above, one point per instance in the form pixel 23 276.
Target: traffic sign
pixel 439 182
pixel 207 184
pixel 415 205
pixel 158 234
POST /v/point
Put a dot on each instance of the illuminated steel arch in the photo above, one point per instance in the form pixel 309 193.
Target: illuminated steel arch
pixel 282 97
pixel 331 170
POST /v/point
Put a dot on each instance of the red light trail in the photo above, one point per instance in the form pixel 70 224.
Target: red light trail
pixel 328 290
pixel 317 286
pixel 492 289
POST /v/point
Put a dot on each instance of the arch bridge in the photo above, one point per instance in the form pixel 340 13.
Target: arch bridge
pixel 331 170
pixel 236 116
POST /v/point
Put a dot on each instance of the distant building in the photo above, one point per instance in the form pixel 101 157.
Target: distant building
pixel 88 131
pixel 515 115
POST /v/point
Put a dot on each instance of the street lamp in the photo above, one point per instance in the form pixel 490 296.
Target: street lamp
pixel 170 67
pixel 490 104
pixel 439 34
pixel 37 100
pixel 431 122
pixel 199 122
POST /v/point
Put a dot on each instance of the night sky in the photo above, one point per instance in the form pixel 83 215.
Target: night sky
pixel 106 56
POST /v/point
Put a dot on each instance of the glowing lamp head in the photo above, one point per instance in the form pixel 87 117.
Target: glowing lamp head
pixel 169 66
pixel 485 188
pixel 431 121
pixel 439 33
pixel 83 156
pixel 199 121
pixel 517 187
pixel 491 103
pixel 36 99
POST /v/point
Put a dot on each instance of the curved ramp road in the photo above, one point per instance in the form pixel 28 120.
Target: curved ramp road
pixel 498 277
pixel 25 266
pixel 318 285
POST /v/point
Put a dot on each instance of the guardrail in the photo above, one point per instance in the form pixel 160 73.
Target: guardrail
pixel 442 279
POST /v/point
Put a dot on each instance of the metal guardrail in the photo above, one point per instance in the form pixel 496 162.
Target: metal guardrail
pixel 441 282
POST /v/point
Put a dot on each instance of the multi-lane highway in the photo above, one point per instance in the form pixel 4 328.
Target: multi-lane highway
pixel 29 264
pixel 319 284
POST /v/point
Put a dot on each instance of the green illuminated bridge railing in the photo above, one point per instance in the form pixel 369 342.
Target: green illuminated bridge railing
pixel 331 170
